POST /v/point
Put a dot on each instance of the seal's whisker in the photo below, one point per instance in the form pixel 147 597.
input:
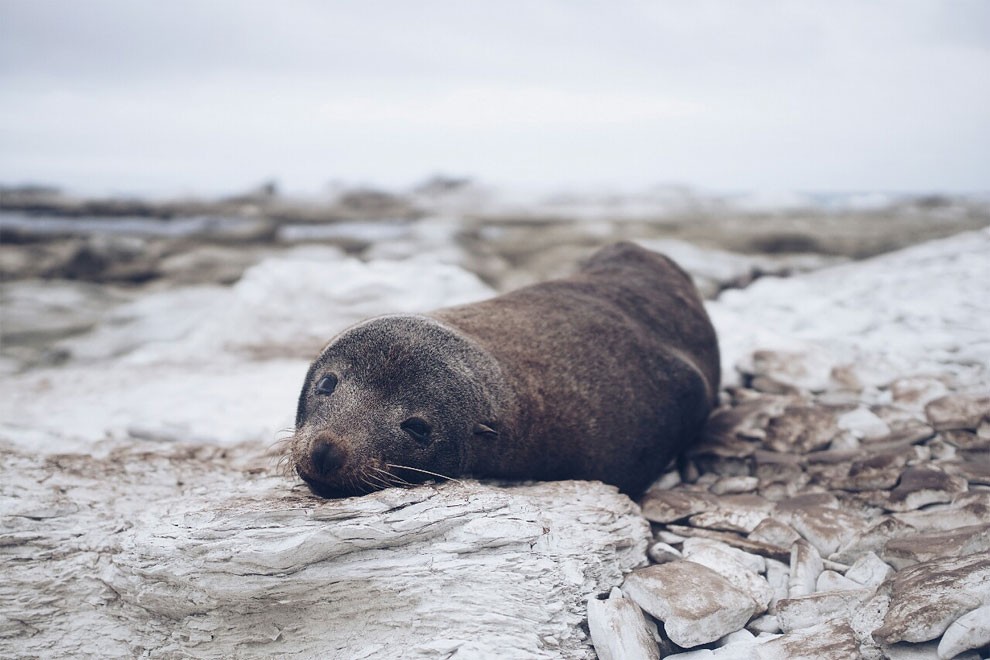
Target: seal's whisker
pixel 434 474
pixel 392 477
pixel 374 480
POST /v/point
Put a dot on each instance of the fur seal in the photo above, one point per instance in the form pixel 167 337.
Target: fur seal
pixel 606 374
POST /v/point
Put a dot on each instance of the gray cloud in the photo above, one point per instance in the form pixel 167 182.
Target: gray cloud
pixel 209 95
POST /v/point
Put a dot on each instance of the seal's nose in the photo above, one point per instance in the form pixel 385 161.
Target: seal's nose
pixel 327 457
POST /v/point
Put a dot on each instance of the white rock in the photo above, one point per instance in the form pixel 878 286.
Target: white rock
pixel 739 637
pixel 775 532
pixel 869 570
pixel 970 631
pixel 738 575
pixel 864 424
pixel 926 598
pixel 810 610
pixel 778 577
pixel 734 485
pixel 753 562
pixel 662 552
pixel 695 604
pixel 825 527
pixel 619 629
pixel 768 623
pixel 212 555
pixel 806 566
pixel 832 581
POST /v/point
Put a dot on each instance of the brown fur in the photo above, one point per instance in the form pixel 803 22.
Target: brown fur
pixel 607 374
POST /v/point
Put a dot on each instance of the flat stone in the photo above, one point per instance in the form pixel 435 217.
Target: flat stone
pixel 920 486
pixel 918 548
pixel 873 539
pixel 880 471
pixel 970 508
pixel 695 604
pixel 741 577
pixel 863 424
pixel 619 630
pixel 666 506
pixel 756 547
pixel 734 485
pixel 806 566
pixel 926 598
pixel 869 570
pixel 826 528
pixel 970 631
pixel 753 562
pixel 774 532
pixel 661 553
pixel 831 639
pixel 808 499
pixel 958 411
pixel 748 419
pixel 670 538
pixel 807 611
pixel 734 513
pixel 801 429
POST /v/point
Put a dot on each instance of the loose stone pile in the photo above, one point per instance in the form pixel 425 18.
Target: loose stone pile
pixel 813 525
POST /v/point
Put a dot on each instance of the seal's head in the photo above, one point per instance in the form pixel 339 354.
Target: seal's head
pixel 392 400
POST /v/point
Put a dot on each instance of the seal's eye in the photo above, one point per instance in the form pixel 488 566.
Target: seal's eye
pixel 327 384
pixel 417 428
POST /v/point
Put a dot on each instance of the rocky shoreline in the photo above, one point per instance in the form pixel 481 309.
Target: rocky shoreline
pixel 839 507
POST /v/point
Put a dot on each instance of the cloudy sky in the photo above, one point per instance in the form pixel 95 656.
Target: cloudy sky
pixel 213 96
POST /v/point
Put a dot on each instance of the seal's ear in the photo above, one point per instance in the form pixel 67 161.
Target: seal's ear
pixel 485 431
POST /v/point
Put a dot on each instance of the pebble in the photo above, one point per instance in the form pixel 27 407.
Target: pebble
pixel 806 611
pixel 734 485
pixel 926 598
pixel 806 566
pixel 768 623
pixel 801 429
pixel 666 506
pixel 958 411
pixel 970 631
pixel 920 486
pixel 869 570
pixel 734 513
pixel 863 424
pixel 739 575
pixel 619 630
pixel 918 548
pixel 661 553
pixel 774 532
pixel 826 528
pixel 695 604
pixel 831 639
pixel 753 562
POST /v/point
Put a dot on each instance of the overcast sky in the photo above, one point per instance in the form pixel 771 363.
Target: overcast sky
pixel 213 96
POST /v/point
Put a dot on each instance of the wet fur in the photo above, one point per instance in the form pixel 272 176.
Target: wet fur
pixel 607 375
